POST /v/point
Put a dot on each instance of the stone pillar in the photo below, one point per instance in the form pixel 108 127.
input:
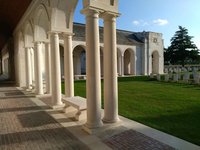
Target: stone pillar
pixel 122 65
pixel 110 69
pixel 28 68
pixel 48 67
pixel 68 66
pixel 119 65
pixel 93 82
pixel 32 67
pixel 55 69
pixel 144 58
pixel 38 68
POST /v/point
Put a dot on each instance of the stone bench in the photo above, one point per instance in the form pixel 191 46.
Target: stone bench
pixel 77 102
pixel 80 77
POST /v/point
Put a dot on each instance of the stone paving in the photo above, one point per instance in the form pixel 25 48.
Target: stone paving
pixel 132 140
pixel 26 126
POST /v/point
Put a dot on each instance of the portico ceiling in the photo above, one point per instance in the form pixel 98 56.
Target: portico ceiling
pixel 10 13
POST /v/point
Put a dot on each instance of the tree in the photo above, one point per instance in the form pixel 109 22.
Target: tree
pixel 182 49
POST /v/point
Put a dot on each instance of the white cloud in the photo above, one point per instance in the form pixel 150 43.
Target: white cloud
pixel 136 22
pixel 140 22
pixel 160 22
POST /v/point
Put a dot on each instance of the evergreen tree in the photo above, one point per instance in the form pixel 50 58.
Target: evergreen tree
pixel 182 49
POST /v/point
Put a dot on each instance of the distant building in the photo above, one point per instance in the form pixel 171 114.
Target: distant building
pixel 138 53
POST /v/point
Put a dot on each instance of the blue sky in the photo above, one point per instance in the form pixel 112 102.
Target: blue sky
pixel 162 16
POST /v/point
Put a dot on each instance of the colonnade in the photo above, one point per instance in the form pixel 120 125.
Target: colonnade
pixel 93 73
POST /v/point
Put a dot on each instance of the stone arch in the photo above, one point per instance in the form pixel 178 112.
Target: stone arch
pixel 42 23
pixel 129 62
pixel 65 11
pixel 155 62
pixel 29 35
pixel 79 60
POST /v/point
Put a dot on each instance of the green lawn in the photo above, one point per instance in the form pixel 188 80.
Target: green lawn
pixel 170 107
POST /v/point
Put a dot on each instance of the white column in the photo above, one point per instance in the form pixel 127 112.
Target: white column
pixel 28 68
pixel 55 69
pixel 122 63
pixel 32 66
pixel 119 65
pixel 144 58
pixel 110 69
pixel 38 68
pixel 93 82
pixel 68 66
pixel 48 67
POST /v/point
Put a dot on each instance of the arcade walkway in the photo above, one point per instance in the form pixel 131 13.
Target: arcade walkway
pixel 26 123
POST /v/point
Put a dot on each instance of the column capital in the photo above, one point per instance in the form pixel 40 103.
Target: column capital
pixel 67 34
pixel 109 16
pixel 28 48
pixel 91 12
pixel 53 32
pixel 37 42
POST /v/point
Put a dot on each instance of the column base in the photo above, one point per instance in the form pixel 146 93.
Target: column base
pixel 110 121
pixel 29 90
pixel 101 129
pixel 60 106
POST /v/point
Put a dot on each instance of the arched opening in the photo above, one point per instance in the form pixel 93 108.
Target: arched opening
pixel 62 62
pixel 129 62
pixel 79 60
pixel 155 62
pixel 83 63
pixel 101 60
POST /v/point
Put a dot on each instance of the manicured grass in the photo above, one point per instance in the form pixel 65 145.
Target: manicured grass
pixel 170 107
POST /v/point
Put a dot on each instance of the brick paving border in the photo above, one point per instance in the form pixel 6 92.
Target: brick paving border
pixel 132 140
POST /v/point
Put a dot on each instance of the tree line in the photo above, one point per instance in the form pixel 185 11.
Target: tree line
pixel 182 49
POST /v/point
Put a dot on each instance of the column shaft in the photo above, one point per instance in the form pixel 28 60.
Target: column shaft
pixel 68 66
pixel 55 69
pixel 33 67
pixel 93 82
pixel 119 65
pixel 110 70
pixel 122 63
pixel 28 68
pixel 48 67
pixel 144 60
pixel 38 68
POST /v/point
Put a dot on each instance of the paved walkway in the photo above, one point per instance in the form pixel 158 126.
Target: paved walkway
pixel 26 126
pixel 27 123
